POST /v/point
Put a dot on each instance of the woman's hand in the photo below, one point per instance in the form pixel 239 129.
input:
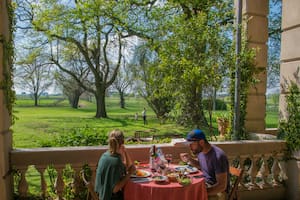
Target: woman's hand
pixel 122 149
pixel 125 156
pixel 131 169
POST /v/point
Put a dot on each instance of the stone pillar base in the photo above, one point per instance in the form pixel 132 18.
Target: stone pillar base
pixel 293 181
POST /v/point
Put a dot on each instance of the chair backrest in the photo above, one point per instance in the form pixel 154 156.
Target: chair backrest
pixel 237 174
pixel 90 187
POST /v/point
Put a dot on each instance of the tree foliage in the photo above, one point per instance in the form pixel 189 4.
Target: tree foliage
pixel 274 43
pixel 96 29
pixel 149 82
pixel 34 73
pixel 193 56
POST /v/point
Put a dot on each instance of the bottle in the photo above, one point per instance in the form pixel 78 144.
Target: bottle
pixel 152 158
pixel 161 160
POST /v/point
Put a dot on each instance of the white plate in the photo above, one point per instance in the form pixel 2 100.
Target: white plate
pixel 186 168
pixel 145 174
pixel 141 180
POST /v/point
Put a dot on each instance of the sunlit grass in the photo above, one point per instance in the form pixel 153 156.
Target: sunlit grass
pixel 36 126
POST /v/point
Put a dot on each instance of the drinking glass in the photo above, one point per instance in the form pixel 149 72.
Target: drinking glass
pixel 169 158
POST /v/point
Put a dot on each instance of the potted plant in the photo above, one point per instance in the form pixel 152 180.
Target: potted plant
pixel 223 124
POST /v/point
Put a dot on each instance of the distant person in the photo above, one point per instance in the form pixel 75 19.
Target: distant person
pixel 114 168
pixel 136 116
pixel 212 161
pixel 144 114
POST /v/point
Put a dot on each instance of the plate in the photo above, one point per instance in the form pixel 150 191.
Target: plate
pixel 141 180
pixel 141 174
pixel 159 179
pixel 186 168
pixel 142 166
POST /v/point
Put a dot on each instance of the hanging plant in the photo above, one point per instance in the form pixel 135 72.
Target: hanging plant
pixel 8 55
pixel 248 69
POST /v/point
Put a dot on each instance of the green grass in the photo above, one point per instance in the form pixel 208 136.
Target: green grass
pixel 36 126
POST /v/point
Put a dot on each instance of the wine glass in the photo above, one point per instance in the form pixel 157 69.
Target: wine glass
pixel 169 158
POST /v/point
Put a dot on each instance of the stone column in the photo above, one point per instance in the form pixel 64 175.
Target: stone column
pixel 6 183
pixel 290 71
pixel 255 16
pixel 290 51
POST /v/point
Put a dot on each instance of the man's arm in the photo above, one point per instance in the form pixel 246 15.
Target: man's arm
pixel 185 157
pixel 220 186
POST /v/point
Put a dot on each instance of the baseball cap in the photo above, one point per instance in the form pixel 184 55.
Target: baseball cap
pixel 195 135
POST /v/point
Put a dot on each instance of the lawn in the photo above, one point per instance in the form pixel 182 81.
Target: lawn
pixel 37 126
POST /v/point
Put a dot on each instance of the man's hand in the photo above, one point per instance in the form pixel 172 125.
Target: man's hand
pixel 186 158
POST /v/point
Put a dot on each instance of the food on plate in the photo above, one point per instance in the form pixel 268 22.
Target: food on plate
pixel 140 173
pixel 136 162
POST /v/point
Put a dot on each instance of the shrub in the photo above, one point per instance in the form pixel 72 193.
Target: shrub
pixel 82 137
pixel 289 129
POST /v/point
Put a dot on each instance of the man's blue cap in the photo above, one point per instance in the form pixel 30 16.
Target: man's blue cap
pixel 195 135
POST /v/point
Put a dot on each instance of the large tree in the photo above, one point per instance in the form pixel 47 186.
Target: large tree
pixel 122 83
pixel 149 81
pixel 193 55
pixel 34 74
pixel 96 28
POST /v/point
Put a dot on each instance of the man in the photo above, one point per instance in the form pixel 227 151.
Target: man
pixel 211 160
pixel 144 116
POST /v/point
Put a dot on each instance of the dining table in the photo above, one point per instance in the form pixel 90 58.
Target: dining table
pixel 148 189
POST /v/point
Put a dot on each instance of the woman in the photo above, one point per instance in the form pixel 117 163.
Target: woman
pixel 114 168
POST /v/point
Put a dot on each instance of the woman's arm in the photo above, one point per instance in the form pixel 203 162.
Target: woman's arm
pixel 123 181
pixel 126 157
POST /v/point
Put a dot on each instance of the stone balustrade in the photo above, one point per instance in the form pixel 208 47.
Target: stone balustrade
pixel 263 163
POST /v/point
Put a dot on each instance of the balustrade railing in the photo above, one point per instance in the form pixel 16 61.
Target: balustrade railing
pixel 263 163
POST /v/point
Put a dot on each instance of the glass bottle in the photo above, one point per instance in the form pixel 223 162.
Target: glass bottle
pixel 152 158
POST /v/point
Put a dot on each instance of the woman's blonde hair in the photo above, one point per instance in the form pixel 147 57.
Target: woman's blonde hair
pixel 115 140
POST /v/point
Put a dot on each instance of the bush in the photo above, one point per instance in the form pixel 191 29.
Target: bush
pixel 82 137
pixel 289 129
pixel 220 104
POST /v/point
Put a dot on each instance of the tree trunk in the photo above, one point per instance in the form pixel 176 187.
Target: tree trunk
pixel 122 100
pixel 100 102
pixel 35 96
pixel 75 99
pixel 192 111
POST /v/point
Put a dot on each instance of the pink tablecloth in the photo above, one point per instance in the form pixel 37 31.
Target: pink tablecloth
pixel 169 190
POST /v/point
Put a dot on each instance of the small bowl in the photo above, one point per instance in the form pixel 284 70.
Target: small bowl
pixel 159 178
pixel 184 181
pixel 172 177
